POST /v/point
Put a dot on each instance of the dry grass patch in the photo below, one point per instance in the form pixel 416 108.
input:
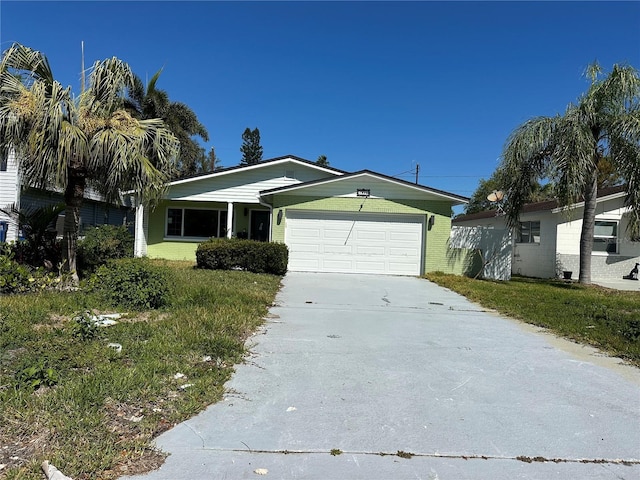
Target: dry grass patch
pixel 92 412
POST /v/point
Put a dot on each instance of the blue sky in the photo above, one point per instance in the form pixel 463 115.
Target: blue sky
pixel 372 85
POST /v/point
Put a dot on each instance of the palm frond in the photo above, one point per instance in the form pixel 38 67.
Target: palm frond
pixel 23 59
pixel 109 82
pixel 524 162
pixel 119 155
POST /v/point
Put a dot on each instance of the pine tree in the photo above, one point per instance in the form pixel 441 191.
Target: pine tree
pixel 322 161
pixel 251 148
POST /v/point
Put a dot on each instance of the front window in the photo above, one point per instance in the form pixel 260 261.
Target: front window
pixel 196 222
pixel 529 232
pixel 605 236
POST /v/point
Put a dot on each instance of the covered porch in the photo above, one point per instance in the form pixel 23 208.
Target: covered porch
pixel 174 228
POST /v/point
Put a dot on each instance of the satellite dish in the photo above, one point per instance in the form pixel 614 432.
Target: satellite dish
pixel 495 196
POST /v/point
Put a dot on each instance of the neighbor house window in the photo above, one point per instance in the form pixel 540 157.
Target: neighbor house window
pixel 196 222
pixel 605 236
pixel 529 232
pixel 4 160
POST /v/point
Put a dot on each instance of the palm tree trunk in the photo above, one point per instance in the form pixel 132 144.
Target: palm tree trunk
pixel 588 222
pixel 73 197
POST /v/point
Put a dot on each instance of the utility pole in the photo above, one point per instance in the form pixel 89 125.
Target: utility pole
pixel 417 170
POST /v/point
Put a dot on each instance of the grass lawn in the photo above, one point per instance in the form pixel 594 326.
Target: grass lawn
pixel 67 397
pixel 605 318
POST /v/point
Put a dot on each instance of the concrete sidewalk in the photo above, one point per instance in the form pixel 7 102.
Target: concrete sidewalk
pixel 403 379
pixel 619 284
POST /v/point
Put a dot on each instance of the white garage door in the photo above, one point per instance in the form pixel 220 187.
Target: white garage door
pixel 354 242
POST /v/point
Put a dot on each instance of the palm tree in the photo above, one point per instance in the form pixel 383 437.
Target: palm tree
pixel 70 143
pixel 570 150
pixel 151 102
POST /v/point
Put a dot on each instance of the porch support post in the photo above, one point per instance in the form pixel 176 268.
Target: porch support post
pixel 229 219
pixel 140 230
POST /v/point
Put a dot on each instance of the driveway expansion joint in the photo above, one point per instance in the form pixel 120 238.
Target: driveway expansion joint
pixel 408 455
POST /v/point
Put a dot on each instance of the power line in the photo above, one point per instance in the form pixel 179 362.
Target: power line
pixel 438 176
pixel 404 173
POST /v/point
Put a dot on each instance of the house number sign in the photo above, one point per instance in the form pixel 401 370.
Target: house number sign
pixel 363 192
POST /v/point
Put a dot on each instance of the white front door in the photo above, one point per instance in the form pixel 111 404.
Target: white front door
pixel 354 242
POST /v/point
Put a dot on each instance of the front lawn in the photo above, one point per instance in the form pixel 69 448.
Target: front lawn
pixel 91 410
pixel 605 318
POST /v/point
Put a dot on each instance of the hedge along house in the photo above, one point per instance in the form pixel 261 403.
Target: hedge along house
pixel 332 221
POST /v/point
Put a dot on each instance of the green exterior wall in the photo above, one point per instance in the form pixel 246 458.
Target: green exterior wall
pixel 159 247
pixel 436 238
pixel 437 255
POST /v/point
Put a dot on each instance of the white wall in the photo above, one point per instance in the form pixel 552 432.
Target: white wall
pixel 537 259
pixel 569 229
pixel 494 243
pixel 243 186
pixel 603 265
pixel 10 193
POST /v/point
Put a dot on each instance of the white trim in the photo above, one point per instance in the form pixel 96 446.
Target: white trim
pixel 187 239
pixel 141 230
pixel 168 237
pixel 419 188
pixel 613 196
pixel 616 237
pixel 264 164
pixel 230 219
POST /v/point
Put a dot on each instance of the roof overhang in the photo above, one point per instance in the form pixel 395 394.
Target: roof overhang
pixel 601 199
pixel 438 194
pixel 263 164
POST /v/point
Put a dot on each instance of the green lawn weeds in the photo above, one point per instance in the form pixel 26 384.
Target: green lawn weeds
pixel 91 400
pixel 589 314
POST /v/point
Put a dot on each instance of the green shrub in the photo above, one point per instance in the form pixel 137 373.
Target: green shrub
pixel 18 278
pixel 103 243
pixel 132 283
pixel 44 252
pixel 14 278
pixel 84 327
pixel 250 255
pixel 40 374
pixel 39 247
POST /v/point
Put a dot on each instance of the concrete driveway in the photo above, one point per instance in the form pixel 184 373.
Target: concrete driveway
pixel 403 379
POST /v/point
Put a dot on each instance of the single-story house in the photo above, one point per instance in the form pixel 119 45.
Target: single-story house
pixel 13 191
pixel 331 220
pixel 547 240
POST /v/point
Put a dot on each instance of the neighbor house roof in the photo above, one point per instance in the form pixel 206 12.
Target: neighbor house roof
pixel 548 205
pixel 458 199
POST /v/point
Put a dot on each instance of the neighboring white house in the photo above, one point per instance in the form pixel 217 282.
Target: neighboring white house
pixel 547 240
pixel 13 192
pixel 9 195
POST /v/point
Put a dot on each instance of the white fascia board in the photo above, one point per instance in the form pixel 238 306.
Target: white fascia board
pixel 253 167
pixel 613 196
pixel 419 188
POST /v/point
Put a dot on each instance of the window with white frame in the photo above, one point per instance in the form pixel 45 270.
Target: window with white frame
pixel 529 232
pixel 196 222
pixel 605 236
